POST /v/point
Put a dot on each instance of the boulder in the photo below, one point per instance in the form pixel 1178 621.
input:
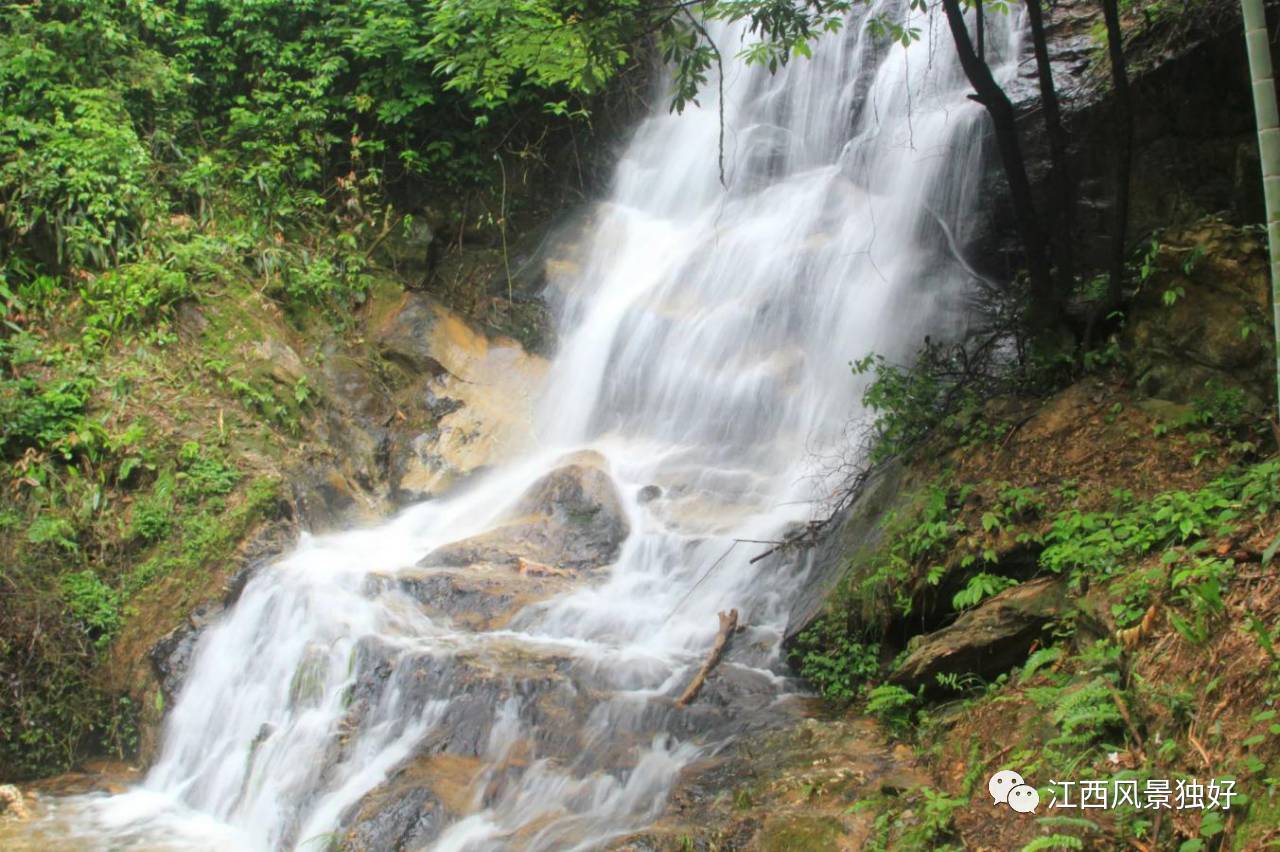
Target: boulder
pixel 987 640
pixel 478 597
pixel 405 335
pixel 570 519
pixel 398 815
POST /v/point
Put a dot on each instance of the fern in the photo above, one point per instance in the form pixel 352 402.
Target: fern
pixel 1054 841
pixel 1088 709
pixel 1067 822
pixel 1039 660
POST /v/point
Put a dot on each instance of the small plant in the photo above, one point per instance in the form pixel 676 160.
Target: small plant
pixel 51 529
pixel 152 520
pixel 892 705
pixel 980 587
pixel 44 417
pixel 835 662
pixel 94 604
pixel 204 473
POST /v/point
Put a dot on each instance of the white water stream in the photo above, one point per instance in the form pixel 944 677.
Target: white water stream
pixel 705 349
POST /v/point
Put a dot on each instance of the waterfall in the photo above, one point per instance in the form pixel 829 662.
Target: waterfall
pixel 706 333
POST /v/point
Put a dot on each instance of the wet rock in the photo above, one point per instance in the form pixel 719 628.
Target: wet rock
pixel 571 518
pixel 391 818
pixel 479 597
pixel 397 687
pixel 354 387
pixel 405 335
pixel 465 399
pixel 987 640
pixel 648 494
pixel 326 499
pixel 853 540
pixel 171 657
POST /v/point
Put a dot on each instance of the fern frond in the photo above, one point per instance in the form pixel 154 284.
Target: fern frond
pixel 1054 841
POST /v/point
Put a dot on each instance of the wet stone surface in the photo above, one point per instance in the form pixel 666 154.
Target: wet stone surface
pixel 571 519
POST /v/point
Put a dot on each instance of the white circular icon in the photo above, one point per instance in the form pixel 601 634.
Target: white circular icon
pixel 1001 783
pixel 1024 799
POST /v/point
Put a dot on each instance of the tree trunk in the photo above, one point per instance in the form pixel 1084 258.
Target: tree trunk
pixel 987 91
pixel 981 19
pixel 1124 155
pixel 1064 227
pixel 1264 107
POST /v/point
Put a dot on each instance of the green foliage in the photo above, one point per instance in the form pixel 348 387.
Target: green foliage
pixel 835 662
pixel 1054 841
pixel 1039 659
pixel 980 587
pixel 42 417
pixel 204 473
pixel 152 518
pixel 1086 713
pixel 892 705
pixel 941 393
pixel 94 604
pixel 51 529
pixel 1097 542
pixel 130 296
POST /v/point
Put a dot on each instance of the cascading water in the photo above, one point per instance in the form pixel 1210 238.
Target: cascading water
pixel 706 337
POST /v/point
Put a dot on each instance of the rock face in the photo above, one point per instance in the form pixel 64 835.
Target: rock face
pixel 483 596
pixel 855 536
pixel 1195 149
pixel 171 656
pixel 399 816
pixel 1182 350
pixel 570 519
pixel 473 395
pixel 987 640
pixel 431 399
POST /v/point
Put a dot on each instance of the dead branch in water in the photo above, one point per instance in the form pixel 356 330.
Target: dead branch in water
pixel 728 624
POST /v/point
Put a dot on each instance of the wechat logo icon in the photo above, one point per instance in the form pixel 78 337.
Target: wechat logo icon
pixel 1008 788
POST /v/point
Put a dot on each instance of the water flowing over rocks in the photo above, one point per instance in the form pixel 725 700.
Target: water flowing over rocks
pixel 571 518
pixel 500 664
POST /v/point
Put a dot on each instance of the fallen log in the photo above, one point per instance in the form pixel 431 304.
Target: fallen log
pixel 728 624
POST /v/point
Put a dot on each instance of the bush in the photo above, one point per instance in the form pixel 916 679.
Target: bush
pixel 836 663
pixel 94 604
pixel 41 417
pixel 152 520
pixel 80 176
pixel 131 296
pixel 204 473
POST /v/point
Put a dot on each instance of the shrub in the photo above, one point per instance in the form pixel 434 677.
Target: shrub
pixel 836 663
pixel 92 603
pixel 204 473
pixel 42 417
